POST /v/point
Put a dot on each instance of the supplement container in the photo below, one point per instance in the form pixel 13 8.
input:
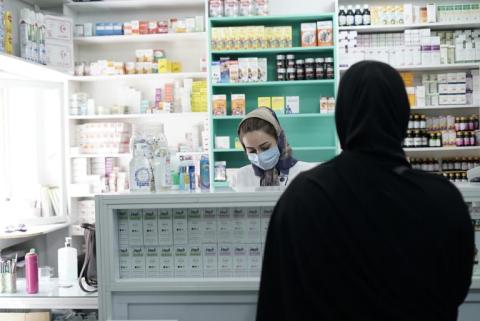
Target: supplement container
pixel 281 74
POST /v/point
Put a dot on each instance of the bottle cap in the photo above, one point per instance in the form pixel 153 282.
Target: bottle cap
pixel 32 251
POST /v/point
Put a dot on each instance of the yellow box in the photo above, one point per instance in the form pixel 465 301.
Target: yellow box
pixel 164 66
pixel 264 102
pixel 278 105
pixel 176 66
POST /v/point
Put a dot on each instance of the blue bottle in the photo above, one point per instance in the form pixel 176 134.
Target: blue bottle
pixel 204 173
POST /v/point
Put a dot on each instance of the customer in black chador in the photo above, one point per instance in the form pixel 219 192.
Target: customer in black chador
pixel 364 237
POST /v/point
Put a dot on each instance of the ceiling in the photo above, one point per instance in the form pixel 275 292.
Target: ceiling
pixel 45 4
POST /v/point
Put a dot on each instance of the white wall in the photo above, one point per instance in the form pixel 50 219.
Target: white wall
pixel 281 7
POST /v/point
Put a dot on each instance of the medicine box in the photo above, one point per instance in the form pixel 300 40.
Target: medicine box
pixel 254 261
pixel 240 261
pixel 124 262
pixel 253 225
pixel 238 104
pixel 135 227
pixel 224 225
pixel 195 261
pixel 194 225
pixel 309 34
pixel 165 227
pixel 167 265
pixel 239 225
pixel 150 227
pixel 152 262
pixel 225 260
pixel 209 226
pixel 292 105
pixel 180 227
pixel 210 260
pixel 181 261
pixel 264 102
pixel 123 234
pixel 137 262
pixel 222 142
pixel 278 104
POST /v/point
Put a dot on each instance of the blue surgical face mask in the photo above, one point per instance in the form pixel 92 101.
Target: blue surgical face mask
pixel 265 160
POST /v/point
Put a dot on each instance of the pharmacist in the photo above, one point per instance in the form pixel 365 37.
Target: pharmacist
pixel 268 151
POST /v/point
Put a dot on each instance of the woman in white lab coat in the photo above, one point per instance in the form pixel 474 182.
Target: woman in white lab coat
pixel 268 151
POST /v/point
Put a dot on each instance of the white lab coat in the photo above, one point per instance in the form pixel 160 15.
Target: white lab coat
pixel 246 176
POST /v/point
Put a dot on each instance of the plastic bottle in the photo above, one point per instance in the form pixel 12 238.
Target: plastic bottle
pixel 350 16
pixel 204 173
pixel 140 169
pixel 191 177
pixel 366 15
pixel 358 15
pixel 161 164
pixel 67 264
pixel 31 271
pixel 342 17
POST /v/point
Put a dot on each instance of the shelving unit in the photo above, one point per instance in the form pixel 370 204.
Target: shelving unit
pixel 186 48
pixel 312 135
pixel 455 110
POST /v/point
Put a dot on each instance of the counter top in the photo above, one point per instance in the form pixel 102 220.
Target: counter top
pixel 52 297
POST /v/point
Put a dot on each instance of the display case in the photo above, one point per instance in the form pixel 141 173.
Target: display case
pixel 191 256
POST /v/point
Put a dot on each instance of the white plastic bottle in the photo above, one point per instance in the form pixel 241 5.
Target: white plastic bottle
pixel 67 264
pixel 140 169
pixel 161 164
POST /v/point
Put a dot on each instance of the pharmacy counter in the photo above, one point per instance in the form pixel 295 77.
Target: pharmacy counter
pixel 49 297
pixel 191 256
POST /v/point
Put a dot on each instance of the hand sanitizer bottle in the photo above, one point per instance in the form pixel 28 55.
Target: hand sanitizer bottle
pixel 67 264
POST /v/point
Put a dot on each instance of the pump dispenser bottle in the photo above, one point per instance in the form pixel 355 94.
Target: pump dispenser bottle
pixel 67 264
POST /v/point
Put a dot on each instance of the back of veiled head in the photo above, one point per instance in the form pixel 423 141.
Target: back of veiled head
pixel 372 109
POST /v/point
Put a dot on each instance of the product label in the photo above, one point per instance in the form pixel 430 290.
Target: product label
pixel 167 262
pixel 240 261
pixel 210 261
pixel 254 259
pixel 180 227
pixel 135 227
pixel 165 227
pixel 181 261
pixel 224 225
pixel 123 227
pixel 194 225
pixel 150 227
pixel 152 262
pixel 124 262
pixel 225 261
pixel 137 268
pixel 209 227
pixel 195 262
pixel 253 225
pixel 239 225
pixel 265 221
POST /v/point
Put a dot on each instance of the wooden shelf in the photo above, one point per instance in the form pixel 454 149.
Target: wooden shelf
pixel 413 109
pixel 154 77
pixel 442 149
pixel 303 149
pixel 277 83
pixel 53 297
pixel 121 155
pixel 231 21
pixel 394 28
pixel 96 6
pixel 432 67
pixel 140 116
pixel 280 116
pixel 165 37
pixel 275 50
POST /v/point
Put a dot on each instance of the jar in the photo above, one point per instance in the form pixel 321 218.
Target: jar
pixel 470 125
pixel 309 63
pixel 281 74
pixel 300 74
pixel 309 74
pixel 290 61
pixel 281 62
pixel 417 139
pixel 459 139
pixel 291 74
pixel 408 140
pixel 473 140
pixel 329 71
pixel 320 68
pixel 300 63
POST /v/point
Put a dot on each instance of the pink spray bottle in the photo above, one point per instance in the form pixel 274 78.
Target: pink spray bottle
pixel 31 271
